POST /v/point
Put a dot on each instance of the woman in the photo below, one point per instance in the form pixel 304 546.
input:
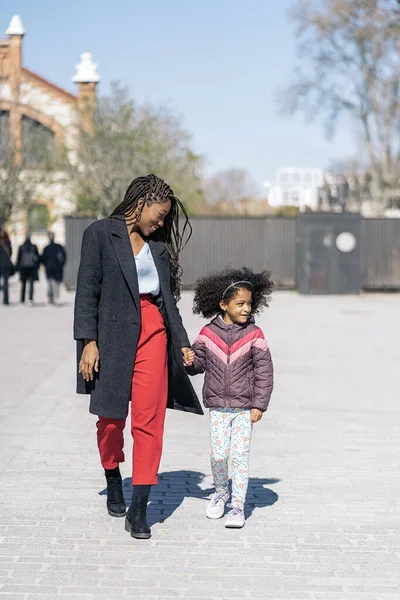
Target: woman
pixel 28 262
pixel 132 345
pixel 6 266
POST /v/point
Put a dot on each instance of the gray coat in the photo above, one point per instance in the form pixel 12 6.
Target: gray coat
pixel 107 309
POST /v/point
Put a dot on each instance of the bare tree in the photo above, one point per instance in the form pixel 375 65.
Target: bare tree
pixel 230 190
pixel 348 182
pixel 349 55
pixel 124 141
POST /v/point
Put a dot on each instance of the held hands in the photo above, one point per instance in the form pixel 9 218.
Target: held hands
pixel 188 357
pixel 255 415
pixel 89 360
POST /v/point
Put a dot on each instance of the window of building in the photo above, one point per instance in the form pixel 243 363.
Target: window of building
pixel 295 197
pixel 38 142
pixel 284 177
pixel 4 135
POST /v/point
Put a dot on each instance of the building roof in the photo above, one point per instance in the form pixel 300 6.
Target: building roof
pixel 47 84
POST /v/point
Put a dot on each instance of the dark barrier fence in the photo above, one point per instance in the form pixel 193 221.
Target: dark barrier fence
pixel 270 243
pixel 74 228
pixel 380 254
pixel 328 253
pixel 258 243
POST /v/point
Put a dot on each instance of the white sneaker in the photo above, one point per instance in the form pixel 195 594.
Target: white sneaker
pixel 216 507
pixel 235 518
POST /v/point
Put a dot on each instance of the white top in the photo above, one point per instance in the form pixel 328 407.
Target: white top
pixel 149 282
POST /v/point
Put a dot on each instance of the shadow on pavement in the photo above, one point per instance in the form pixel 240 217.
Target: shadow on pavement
pixel 259 496
pixel 174 486
pixel 41 304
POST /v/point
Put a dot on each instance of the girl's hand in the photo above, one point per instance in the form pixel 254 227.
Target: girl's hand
pixel 188 357
pixel 255 415
pixel 89 360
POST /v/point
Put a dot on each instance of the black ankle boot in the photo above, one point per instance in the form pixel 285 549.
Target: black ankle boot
pixel 116 506
pixel 135 522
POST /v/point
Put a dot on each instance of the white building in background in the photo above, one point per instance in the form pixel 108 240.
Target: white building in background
pixel 296 187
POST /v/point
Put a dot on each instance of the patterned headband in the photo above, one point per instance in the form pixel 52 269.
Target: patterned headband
pixel 235 284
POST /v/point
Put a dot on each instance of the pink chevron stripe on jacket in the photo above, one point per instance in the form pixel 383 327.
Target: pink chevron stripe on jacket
pixel 237 364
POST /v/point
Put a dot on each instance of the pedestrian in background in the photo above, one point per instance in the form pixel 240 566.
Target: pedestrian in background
pixel 6 265
pixel 234 355
pixel 53 258
pixel 28 262
pixel 132 345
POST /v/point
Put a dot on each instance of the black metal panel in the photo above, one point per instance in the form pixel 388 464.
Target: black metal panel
pixel 258 243
pixel 380 254
pixel 326 261
pixel 280 251
pixel 74 228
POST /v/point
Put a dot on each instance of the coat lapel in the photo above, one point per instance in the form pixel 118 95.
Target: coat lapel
pixel 159 253
pixel 123 250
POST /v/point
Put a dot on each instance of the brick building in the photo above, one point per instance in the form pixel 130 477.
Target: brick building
pixel 28 102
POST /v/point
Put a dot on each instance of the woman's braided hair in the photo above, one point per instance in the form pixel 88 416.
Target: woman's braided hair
pixel 151 189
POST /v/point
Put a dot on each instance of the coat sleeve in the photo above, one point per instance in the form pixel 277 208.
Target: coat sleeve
pixel 185 343
pixel 176 319
pixel 263 372
pixel 18 263
pixel 43 258
pixel 200 359
pixel 64 254
pixel 88 288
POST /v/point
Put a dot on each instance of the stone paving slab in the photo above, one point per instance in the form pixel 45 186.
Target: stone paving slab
pixel 322 513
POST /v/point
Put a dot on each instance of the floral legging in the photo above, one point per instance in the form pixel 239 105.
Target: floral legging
pixel 230 436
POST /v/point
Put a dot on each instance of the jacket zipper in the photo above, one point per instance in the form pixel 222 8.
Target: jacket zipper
pixel 228 362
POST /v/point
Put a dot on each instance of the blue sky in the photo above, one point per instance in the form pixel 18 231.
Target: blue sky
pixel 219 64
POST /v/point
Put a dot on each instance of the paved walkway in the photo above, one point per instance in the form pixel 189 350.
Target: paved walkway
pixel 323 519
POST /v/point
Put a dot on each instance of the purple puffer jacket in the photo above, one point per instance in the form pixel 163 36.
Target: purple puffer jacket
pixel 237 364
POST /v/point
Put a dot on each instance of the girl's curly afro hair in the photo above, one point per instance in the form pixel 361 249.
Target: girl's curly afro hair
pixel 210 290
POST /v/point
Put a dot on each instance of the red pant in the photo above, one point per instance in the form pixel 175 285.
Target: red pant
pixel 148 404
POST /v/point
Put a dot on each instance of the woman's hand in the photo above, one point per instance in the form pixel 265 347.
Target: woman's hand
pixel 255 415
pixel 89 360
pixel 188 357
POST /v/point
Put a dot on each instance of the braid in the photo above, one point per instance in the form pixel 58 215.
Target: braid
pixel 152 189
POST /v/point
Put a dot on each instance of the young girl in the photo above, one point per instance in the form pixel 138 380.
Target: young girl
pixel 233 354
